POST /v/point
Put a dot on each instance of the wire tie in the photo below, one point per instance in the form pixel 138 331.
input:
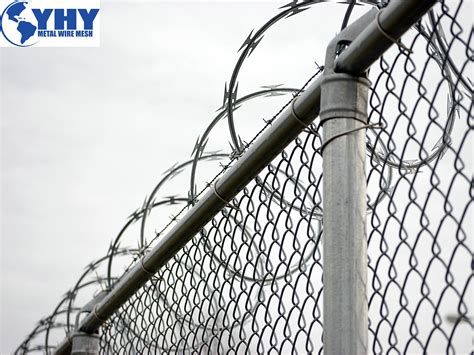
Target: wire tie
pixel 227 203
pixel 296 116
pixel 372 125
pixel 94 312
pixel 322 121
pixel 144 268
pixel 386 35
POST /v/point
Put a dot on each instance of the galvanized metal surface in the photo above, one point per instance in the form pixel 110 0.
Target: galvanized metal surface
pixel 344 211
pixel 389 25
pixel 85 344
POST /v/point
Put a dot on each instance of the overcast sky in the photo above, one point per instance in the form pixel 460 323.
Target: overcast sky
pixel 87 132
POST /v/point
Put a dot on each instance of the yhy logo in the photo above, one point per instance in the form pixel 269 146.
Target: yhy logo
pixel 50 23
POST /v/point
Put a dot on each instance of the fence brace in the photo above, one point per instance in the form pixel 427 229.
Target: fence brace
pixel 370 44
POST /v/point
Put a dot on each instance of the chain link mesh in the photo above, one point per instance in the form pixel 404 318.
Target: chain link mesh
pixel 248 283
pixel 420 236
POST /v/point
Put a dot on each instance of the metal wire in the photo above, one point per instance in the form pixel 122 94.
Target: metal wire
pixel 252 280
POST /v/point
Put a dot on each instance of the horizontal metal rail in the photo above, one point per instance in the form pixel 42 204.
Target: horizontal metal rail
pixel 393 21
pixel 387 28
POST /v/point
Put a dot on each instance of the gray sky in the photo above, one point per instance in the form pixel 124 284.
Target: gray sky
pixel 87 132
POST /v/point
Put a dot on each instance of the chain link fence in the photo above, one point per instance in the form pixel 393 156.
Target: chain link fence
pixel 252 280
pixel 420 210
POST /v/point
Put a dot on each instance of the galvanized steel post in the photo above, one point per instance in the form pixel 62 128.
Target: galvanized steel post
pixel 85 344
pixel 344 118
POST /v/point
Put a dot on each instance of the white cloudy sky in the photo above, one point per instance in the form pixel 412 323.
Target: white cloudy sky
pixel 87 132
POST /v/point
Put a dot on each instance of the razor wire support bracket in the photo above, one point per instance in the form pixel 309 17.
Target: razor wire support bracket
pixel 87 343
pixel 344 118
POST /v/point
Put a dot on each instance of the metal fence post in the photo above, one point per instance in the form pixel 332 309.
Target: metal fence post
pixel 85 344
pixel 344 117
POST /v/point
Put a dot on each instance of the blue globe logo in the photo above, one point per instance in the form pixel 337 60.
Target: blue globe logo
pixel 19 25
